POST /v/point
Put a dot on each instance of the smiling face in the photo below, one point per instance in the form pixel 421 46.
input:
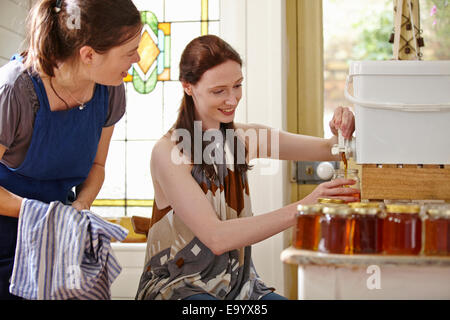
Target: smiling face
pixel 217 94
pixel 110 68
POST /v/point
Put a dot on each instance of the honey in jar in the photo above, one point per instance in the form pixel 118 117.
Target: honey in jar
pixel 437 227
pixel 368 229
pixel 349 174
pixel 307 228
pixel 336 229
pixel 402 229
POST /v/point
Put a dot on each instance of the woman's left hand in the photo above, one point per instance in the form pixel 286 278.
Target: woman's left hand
pixel 79 205
pixel 343 119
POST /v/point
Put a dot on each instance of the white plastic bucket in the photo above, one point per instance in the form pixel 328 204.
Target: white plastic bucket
pixel 402 111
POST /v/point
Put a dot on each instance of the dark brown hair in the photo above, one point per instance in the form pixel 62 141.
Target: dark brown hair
pixel 200 55
pixel 56 35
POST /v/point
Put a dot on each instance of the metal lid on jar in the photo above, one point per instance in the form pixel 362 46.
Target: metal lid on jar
pixel 355 205
pixel 308 209
pixel 330 200
pixel 342 210
pixel 369 211
pixel 439 212
pixel 403 208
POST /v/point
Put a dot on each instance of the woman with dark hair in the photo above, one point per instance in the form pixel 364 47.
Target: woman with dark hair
pixel 202 227
pixel 59 102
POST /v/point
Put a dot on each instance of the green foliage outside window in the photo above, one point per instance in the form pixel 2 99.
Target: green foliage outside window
pixel 375 31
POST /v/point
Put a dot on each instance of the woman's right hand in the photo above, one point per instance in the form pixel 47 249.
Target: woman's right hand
pixel 333 189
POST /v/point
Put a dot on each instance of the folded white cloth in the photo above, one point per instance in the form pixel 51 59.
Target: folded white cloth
pixel 62 253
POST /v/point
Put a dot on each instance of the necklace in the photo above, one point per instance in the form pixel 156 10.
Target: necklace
pixel 81 106
pixel 51 85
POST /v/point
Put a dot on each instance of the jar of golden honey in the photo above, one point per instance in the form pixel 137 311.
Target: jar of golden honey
pixel 336 229
pixel 349 174
pixel 402 229
pixel 437 230
pixel 368 229
pixel 306 233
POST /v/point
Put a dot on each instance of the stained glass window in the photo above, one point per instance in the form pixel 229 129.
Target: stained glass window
pixel 153 97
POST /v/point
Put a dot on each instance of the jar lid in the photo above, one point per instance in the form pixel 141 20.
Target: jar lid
pixel 439 212
pixel 403 208
pixel 342 210
pixel 370 211
pixel 355 205
pixel 308 209
pixel 330 200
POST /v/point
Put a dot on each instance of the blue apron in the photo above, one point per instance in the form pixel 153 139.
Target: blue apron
pixel 60 156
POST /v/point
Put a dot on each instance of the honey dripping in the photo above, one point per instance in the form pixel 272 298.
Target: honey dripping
pixel 344 159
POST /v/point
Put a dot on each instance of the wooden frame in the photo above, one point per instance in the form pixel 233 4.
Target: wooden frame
pixel 304 30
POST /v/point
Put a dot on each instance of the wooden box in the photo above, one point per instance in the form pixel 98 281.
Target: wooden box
pixel 413 182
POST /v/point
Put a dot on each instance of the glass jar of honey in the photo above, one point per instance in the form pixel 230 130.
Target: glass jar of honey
pixel 306 233
pixel 349 174
pixel 336 229
pixel 402 229
pixel 368 229
pixel 437 230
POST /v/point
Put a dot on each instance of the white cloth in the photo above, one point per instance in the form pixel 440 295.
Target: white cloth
pixel 62 253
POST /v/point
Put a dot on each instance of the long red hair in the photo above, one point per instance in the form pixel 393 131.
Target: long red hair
pixel 200 55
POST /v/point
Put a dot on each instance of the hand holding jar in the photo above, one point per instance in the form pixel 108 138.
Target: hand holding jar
pixel 351 174
pixel 339 188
